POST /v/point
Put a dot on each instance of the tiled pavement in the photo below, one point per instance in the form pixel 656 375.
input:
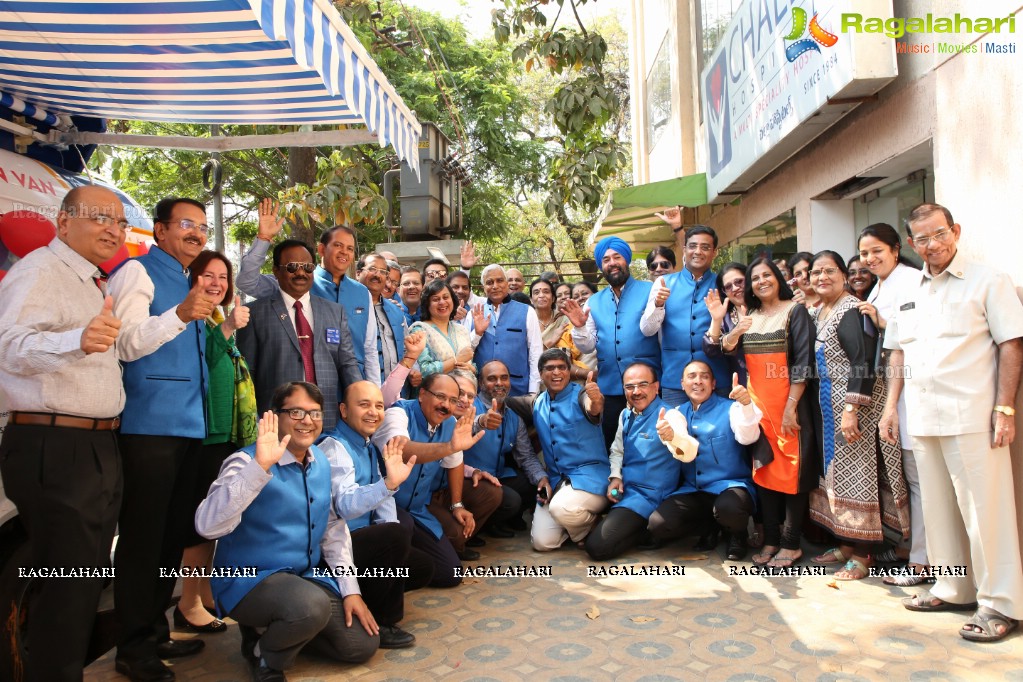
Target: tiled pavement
pixel 704 625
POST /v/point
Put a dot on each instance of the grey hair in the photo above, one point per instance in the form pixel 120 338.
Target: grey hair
pixel 487 270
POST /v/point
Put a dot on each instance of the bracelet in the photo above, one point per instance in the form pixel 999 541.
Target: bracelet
pixel 793 399
pixel 1005 409
pixel 456 505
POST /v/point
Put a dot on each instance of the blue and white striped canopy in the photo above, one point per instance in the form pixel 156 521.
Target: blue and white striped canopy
pixel 199 61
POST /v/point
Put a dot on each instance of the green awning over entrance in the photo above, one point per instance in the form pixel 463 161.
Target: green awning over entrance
pixel 629 212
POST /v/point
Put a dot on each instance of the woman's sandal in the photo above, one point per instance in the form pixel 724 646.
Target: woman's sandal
pixel 854 569
pixel 835 555
pixel 784 561
pixel 983 626
pixel 764 557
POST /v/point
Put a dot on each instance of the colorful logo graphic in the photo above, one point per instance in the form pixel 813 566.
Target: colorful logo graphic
pixel 799 27
pixel 719 137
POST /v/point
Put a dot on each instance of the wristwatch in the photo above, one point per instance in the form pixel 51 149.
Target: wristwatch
pixel 1006 410
pixel 850 407
pixel 456 505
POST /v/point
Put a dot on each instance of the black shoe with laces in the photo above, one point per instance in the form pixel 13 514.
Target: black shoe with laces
pixel 393 637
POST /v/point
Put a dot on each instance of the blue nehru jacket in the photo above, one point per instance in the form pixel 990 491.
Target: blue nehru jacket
pixel 619 341
pixel 572 445
pixel 165 391
pixel 416 492
pixel 396 321
pixel 356 300
pixel 488 454
pixel 686 320
pixel 366 459
pixel 280 532
pixel 721 462
pixel 507 340
pixel 649 472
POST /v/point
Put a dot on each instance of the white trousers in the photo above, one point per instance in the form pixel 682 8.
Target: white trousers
pixel 917 536
pixel 572 513
pixel 970 510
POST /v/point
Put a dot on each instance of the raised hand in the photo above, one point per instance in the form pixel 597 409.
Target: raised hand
pixel 664 430
pixel 715 306
pixel 415 378
pixel 661 293
pixel 462 438
pixel 414 345
pixel 102 330
pixel 672 216
pixel 493 419
pixel 269 450
pixel 467 254
pixel 480 320
pixel 739 392
pixel 269 224
pixel 743 325
pixel 460 313
pixel 396 469
pixel 238 317
pixel 196 306
pixel 575 313
pixel 592 389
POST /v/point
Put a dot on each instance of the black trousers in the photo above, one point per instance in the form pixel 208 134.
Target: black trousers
pixel 697 513
pixel 66 484
pixel 157 518
pixel 783 517
pixel 613 406
pixel 440 552
pixel 384 546
pixel 616 534
pixel 517 495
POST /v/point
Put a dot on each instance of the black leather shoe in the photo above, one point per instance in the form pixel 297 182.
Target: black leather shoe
pixel 737 547
pixel 393 637
pixel 468 554
pixel 176 648
pixel 182 623
pixel 707 542
pixel 499 532
pixel 145 670
pixel 517 524
pixel 263 673
pixel 475 541
pixel 250 637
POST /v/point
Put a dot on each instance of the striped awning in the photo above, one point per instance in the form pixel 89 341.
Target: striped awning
pixel 199 61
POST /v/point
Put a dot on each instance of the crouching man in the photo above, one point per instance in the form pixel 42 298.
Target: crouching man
pixel 285 556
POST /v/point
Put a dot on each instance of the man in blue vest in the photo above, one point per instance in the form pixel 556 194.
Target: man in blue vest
pixel 643 471
pixel 677 314
pixel 272 512
pixel 716 488
pixel 336 250
pixel 609 323
pixel 436 440
pixel 505 435
pixel 364 498
pixel 372 272
pixel 508 331
pixel 161 345
pixel 570 495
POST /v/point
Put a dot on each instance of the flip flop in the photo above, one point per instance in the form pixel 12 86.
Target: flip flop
pixel 767 557
pixel 923 602
pixel 854 570
pixel 784 562
pixel 835 555
pixel 986 619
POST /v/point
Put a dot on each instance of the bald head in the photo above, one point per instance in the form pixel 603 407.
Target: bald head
pixel 516 280
pixel 363 408
pixel 91 221
pixel 495 380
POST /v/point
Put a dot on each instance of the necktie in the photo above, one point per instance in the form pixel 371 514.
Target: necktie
pixel 305 343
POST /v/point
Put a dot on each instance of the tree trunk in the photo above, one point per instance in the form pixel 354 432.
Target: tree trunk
pixel 302 169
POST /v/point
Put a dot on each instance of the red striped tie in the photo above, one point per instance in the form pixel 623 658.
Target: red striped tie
pixel 305 343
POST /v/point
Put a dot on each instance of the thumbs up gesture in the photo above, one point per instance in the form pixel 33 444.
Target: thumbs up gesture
pixel 664 430
pixel 238 318
pixel 739 392
pixel 593 392
pixel 196 306
pixel 493 419
pixel 101 332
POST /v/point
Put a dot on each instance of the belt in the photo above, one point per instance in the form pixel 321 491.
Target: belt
pixel 64 420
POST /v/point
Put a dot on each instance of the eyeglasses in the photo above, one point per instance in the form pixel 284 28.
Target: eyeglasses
pixel 465 398
pixel 375 271
pixel 298 414
pixel 187 224
pixel 859 271
pixel 409 285
pixel 941 236
pixel 435 274
pixel 554 368
pixel 295 267
pixel 830 272
pixel 105 221
pixel 660 265
pixel 443 398
pixel 700 246
pixel 735 284
pixel 642 386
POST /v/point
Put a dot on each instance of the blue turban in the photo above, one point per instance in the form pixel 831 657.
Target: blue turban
pixel 615 244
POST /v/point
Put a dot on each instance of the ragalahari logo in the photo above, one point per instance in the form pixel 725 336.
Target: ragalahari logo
pixel 817 35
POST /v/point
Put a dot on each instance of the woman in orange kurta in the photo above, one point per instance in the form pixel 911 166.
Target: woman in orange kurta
pixel 777 339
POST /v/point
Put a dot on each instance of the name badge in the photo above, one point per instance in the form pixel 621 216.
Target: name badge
pixel 908 306
pixel 645 435
pixel 333 335
pixel 360 311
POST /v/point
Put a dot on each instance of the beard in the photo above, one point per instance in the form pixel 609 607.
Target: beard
pixel 616 277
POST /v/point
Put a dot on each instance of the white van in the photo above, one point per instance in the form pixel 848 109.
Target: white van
pixel 29 185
